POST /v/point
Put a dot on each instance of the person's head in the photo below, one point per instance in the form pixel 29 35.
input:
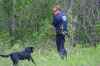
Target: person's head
pixel 56 9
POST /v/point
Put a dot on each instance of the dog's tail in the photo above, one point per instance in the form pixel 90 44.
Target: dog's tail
pixel 4 55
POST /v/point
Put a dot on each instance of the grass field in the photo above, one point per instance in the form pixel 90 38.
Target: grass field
pixel 77 57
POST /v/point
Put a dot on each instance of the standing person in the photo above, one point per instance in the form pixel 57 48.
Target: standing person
pixel 60 25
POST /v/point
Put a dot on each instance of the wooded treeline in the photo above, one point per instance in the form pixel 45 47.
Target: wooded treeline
pixel 30 21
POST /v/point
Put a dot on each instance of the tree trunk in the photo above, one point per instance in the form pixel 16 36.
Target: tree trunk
pixel 12 22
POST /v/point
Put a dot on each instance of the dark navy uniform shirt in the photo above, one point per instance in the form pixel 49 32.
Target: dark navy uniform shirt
pixel 59 22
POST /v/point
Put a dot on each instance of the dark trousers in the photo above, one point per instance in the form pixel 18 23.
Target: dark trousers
pixel 60 40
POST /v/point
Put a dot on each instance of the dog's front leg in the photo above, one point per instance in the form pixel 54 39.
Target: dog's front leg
pixel 33 60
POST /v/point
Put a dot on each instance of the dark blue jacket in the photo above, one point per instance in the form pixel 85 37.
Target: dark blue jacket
pixel 59 21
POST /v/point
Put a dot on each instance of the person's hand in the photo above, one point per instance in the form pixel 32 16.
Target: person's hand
pixel 65 33
pixel 61 27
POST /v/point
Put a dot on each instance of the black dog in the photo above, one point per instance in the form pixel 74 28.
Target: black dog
pixel 25 54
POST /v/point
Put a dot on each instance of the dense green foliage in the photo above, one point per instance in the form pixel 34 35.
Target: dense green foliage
pixel 31 21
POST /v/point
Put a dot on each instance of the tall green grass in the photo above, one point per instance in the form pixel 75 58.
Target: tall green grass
pixel 77 57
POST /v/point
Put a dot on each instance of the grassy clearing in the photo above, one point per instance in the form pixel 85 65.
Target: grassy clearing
pixel 78 57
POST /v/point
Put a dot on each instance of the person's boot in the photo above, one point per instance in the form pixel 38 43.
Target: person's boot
pixel 62 56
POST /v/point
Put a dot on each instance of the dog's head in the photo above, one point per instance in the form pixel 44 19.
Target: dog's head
pixel 29 49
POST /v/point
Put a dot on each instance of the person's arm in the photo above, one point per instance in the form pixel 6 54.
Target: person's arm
pixel 64 24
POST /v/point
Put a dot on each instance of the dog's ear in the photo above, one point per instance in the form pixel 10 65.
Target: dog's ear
pixel 29 49
pixel 32 49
